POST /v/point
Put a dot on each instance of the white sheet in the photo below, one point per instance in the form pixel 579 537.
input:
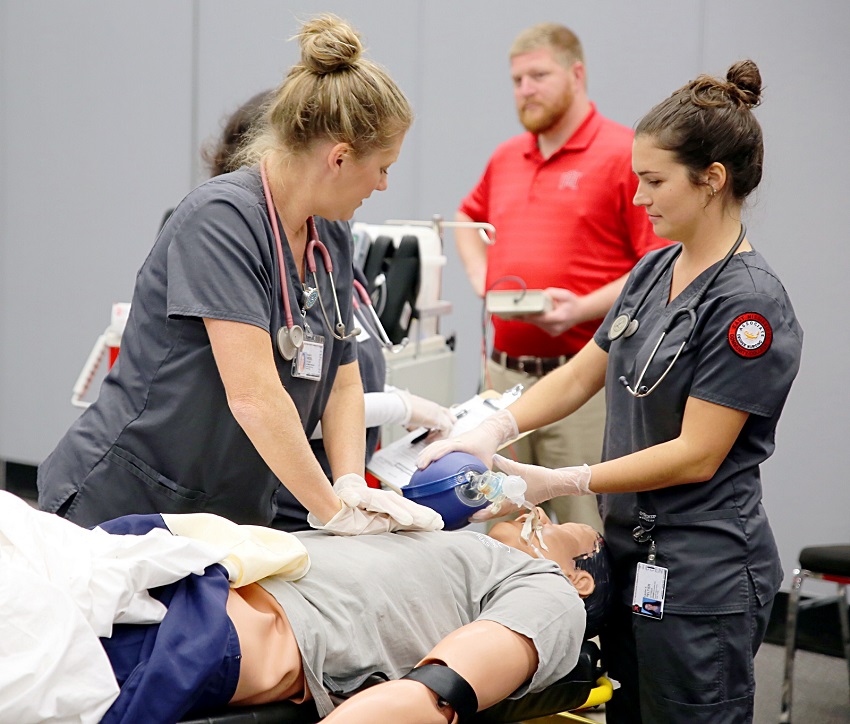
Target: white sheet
pixel 61 587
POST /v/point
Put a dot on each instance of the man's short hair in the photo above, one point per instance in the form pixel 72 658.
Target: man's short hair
pixel 562 41
pixel 598 603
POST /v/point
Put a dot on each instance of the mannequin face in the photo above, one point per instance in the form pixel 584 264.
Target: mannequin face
pixel 566 542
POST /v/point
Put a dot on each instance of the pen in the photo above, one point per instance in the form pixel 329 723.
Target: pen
pixel 421 436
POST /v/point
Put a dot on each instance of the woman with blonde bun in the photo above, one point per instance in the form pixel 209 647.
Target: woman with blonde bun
pixel 235 349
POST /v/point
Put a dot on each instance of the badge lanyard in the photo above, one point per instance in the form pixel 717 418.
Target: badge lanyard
pixel 650 579
pixel 308 358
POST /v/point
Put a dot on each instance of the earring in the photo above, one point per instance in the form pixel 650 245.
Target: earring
pixel 713 191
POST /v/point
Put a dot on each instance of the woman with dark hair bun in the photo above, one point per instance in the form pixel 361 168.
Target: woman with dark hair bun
pixel 697 357
pixel 219 154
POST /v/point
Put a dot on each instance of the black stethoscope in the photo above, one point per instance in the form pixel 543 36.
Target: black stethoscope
pixel 626 324
pixel 290 338
pixel 383 337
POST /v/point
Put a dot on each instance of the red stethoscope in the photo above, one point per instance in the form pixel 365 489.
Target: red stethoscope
pixel 366 300
pixel 290 338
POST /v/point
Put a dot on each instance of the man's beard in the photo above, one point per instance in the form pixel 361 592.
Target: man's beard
pixel 543 117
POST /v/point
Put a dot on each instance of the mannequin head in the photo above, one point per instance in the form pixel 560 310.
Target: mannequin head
pixel 580 552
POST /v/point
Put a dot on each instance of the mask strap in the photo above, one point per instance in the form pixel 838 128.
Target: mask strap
pixel 532 528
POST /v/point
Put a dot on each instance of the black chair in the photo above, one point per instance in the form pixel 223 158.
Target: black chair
pixel 828 563
pixel 571 692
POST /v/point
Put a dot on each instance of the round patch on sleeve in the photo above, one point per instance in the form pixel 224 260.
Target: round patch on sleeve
pixel 750 335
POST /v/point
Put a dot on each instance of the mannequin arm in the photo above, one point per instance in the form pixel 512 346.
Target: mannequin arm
pixel 494 660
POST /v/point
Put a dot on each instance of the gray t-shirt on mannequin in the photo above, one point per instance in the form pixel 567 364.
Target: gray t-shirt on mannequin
pixel 358 611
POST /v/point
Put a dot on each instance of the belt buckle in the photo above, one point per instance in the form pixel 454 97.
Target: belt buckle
pixel 525 360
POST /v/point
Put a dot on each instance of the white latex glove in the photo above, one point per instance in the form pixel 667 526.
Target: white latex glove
pixel 368 510
pixel 481 441
pixel 545 483
pixel 542 484
pixel 426 413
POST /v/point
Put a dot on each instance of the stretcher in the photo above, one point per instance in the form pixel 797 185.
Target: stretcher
pixel 583 687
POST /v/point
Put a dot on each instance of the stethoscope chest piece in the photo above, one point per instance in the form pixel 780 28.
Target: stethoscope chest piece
pixel 289 341
pixel 622 326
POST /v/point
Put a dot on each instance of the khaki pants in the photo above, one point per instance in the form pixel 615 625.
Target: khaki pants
pixel 573 440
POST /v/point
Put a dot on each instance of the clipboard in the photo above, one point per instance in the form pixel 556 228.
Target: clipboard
pixel 396 463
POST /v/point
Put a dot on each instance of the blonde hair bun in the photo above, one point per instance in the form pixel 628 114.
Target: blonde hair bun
pixel 328 44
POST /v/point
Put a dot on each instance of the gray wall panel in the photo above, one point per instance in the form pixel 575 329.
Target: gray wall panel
pixel 244 48
pixel 96 98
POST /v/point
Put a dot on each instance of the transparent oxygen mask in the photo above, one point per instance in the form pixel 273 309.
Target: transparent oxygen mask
pixel 493 486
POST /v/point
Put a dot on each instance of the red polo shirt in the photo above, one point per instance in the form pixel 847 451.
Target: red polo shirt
pixel 567 221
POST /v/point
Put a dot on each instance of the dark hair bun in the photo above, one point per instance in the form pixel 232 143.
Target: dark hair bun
pixel 328 44
pixel 746 79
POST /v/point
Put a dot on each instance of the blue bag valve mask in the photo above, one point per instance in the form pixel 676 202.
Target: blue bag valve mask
pixel 458 484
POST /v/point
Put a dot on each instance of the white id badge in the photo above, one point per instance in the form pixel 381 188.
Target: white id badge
pixel 308 361
pixel 650 588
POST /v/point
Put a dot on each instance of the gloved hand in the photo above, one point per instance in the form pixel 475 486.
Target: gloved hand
pixel 545 483
pixel 426 413
pixel 368 510
pixel 481 441
pixel 542 484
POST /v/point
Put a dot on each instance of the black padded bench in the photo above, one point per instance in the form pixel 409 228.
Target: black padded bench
pixel 568 693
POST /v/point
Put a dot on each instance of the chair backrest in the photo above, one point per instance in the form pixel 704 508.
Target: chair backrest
pixel 393 278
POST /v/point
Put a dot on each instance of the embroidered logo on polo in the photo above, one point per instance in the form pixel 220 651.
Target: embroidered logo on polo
pixel 750 335
pixel 569 180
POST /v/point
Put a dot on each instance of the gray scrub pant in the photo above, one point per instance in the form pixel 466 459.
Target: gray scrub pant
pixel 688 669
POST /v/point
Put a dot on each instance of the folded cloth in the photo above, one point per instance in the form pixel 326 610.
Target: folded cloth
pixel 254 552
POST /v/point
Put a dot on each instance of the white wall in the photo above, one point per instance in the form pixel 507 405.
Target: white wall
pixel 103 105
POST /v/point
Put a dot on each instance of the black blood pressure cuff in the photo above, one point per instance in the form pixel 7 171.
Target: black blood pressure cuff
pixel 449 686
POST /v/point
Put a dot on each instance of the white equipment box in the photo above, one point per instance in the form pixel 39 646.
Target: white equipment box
pixel 516 302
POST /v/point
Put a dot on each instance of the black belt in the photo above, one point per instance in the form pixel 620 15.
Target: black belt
pixel 538 366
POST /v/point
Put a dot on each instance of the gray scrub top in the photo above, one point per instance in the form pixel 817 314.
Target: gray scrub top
pixel 291 515
pixel 712 536
pixel 379 603
pixel 160 437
